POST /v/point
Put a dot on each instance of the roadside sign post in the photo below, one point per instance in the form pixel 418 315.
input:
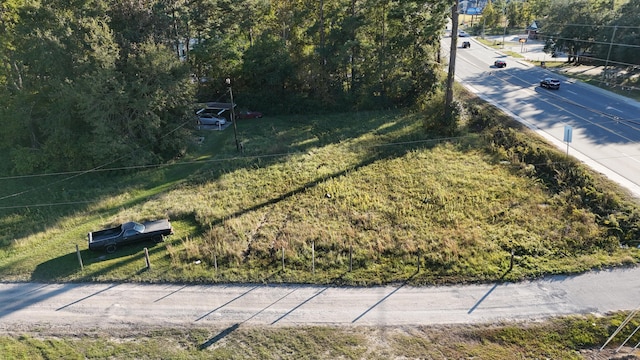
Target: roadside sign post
pixel 568 134
pixel 522 41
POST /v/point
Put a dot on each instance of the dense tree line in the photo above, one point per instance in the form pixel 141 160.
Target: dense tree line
pixel 607 33
pixel 603 29
pixel 92 82
pixel 87 83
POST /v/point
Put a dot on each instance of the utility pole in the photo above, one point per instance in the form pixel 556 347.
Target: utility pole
pixel 452 60
pixel 504 33
pixel 606 64
pixel 231 111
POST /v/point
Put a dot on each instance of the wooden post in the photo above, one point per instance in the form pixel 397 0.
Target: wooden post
pixel 350 258
pixel 215 262
pixel 79 257
pixel 418 260
pixel 146 258
pixel 283 258
pixel 313 257
pixel 511 261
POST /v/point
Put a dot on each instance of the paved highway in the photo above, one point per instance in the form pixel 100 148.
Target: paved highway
pixel 605 126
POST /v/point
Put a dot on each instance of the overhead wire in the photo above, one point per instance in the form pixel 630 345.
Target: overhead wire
pixel 74 175
pixel 101 168
pixel 256 157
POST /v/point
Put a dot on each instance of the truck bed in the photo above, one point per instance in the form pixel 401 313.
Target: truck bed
pixel 127 233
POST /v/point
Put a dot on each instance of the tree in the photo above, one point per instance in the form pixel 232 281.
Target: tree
pixel 575 25
pixel 490 16
pixel 272 73
pixel 118 68
pixel 76 98
pixel 539 8
pixel 518 14
pixel 52 45
pixel 622 36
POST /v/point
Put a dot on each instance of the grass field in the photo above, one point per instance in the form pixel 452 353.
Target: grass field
pixel 561 338
pixel 359 198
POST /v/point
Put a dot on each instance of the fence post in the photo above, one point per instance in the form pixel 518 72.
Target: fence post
pixel 283 258
pixel 418 259
pixel 511 261
pixel 350 258
pixel 79 257
pixel 313 257
pixel 146 258
pixel 215 262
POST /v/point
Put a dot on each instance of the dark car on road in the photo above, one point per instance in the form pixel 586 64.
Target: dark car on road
pixel 466 44
pixel 500 63
pixel 550 83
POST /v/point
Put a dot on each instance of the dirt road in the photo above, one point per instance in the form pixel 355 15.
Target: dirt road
pixel 90 306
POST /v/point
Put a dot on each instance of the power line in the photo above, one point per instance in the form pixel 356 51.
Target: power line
pixel 599 26
pixel 80 173
pixel 46 204
pixel 589 41
pixel 256 157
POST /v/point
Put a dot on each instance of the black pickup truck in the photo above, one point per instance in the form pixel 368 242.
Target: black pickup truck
pixel 110 239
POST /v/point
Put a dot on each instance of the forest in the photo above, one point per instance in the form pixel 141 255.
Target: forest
pixel 95 83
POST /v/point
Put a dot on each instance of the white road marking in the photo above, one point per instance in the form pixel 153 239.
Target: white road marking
pixel 631 157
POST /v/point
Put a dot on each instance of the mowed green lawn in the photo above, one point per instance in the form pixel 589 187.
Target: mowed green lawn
pixel 355 198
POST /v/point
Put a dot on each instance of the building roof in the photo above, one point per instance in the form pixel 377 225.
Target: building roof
pixel 218 106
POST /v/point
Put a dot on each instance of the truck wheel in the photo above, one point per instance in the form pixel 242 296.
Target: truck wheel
pixel 111 248
pixel 157 239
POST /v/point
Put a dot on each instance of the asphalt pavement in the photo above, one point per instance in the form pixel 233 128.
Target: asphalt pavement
pixel 611 161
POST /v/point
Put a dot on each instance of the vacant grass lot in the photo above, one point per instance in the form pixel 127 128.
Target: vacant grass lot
pixel 357 198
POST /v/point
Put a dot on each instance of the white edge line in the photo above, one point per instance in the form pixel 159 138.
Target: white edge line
pixel 624 182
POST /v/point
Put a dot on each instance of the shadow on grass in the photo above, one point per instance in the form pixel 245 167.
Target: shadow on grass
pixel 57 268
pixel 218 337
pixel 63 267
pixel 90 188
